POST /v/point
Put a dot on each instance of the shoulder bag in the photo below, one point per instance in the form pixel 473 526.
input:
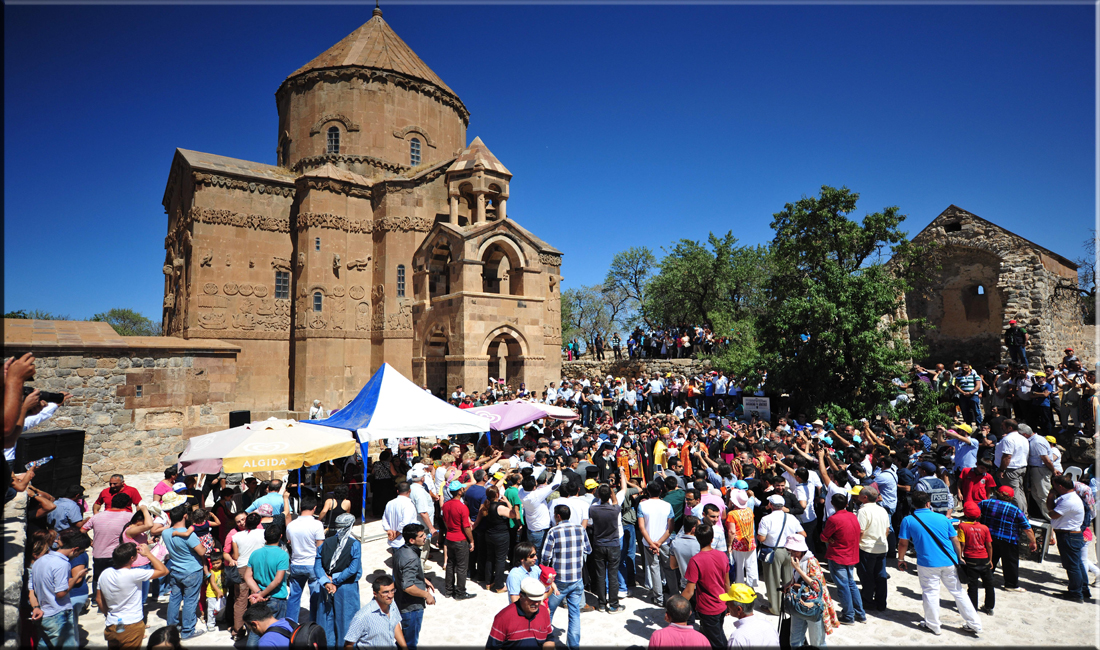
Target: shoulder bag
pixel 959 567
pixel 767 553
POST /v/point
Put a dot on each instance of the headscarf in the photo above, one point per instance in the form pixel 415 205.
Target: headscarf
pixel 343 529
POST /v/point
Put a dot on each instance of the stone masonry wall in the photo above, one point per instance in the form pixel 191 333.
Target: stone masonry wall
pixel 181 396
pixel 632 368
pixel 15 542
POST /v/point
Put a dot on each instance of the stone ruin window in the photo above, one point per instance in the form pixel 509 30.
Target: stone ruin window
pixel 981 290
pixel 282 285
pixel 400 280
pixel 317 244
pixel 138 390
pixel 333 140
pixel 316 301
pixel 414 152
pixel 954 226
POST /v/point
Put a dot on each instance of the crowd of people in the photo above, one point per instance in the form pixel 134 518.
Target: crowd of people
pixel 684 342
pixel 677 498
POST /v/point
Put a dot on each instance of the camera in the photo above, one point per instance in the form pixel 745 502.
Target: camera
pixel 44 395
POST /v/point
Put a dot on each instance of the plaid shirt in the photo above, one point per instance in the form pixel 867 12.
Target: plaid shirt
pixel 1004 519
pixel 565 548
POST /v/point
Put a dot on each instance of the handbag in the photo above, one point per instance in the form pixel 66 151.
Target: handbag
pixel 767 553
pixel 803 602
pixel 960 569
pixel 232 574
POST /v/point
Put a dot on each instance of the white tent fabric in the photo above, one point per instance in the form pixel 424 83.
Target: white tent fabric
pixel 392 406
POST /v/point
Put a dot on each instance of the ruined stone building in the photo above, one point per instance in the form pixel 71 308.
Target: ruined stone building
pixel 977 278
pixel 380 236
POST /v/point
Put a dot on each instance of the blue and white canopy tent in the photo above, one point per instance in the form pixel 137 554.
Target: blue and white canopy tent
pixel 392 406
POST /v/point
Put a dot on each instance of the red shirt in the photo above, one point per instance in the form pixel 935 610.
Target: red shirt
pixel 843 529
pixel 709 570
pixel 456 516
pixel 973 488
pixel 512 629
pixel 977 536
pixel 678 635
pixel 105 496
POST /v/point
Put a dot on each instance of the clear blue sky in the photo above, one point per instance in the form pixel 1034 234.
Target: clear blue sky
pixel 623 125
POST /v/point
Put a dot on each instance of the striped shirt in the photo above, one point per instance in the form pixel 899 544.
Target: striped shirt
pixel 372 628
pixel 565 548
pixel 967 382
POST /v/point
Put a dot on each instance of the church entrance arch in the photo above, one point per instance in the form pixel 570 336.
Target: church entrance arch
pixel 500 273
pixel 506 357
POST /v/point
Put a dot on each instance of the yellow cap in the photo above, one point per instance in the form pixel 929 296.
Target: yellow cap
pixel 962 426
pixel 855 490
pixel 498 475
pixel 591 484
pixel 1052 440
pixel 739 593
pixel 664 431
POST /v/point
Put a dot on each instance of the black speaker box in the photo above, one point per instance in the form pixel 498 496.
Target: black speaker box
pixel 67 448
pixel 239 418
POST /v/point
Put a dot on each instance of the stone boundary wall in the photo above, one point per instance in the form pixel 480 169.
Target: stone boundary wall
pixel 632 368
pixel 15 541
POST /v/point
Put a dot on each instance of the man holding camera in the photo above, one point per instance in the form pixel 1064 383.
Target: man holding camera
pixel 38 406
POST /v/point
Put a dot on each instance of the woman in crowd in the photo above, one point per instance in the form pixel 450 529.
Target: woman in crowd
pixel 493 516
pixel 339 568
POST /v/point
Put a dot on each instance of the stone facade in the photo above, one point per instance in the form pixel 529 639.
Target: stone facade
pixel 138 399
pixel 379 237
pixel 977 278
pixel 15 546
pixel 634 368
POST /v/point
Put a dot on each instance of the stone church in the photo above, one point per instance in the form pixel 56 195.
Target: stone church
pixel 380 236
pixel 977 277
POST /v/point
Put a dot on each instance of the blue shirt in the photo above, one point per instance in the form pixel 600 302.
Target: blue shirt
pixel 887 487
pixel 274 639
pixel 180 551
pixel 474 497
pixel 372 628
pixel 516 576
pixel 49 575
pixel 966 453
pixel 82 588
pixel 274 499
pixel 265 564
pixel 65 515
pixel 928 552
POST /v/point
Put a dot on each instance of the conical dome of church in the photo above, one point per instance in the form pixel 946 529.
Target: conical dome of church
pixel 375 45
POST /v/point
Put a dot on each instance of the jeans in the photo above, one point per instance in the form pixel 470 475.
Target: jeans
pixel 606 562
pixel 79 603
pixel 1018 355
pixel 1010 553
pixel 458 560
pixel 185 591
pixel 1070 544
pixel 277 607
pixel 410 627
pixel 873 577
pixel 971 406
pixel 851 604
pixel 711 627
pixel 302 580
pixel 537 538
pixel 930 580
pixel 979 568
pixel 805 632
pixel 658 573
pixel 59 630
pixel 573 594
pixel 628 572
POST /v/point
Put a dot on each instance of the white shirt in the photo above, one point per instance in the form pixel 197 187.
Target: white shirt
pixel 247 543
pixel 122 590
pixel 1038 446
pixel 721 386
pixel 754 631
pixel 304 533
pixel 874 521
pixel 654 515
pixel 535 511
pixel 421 499
pixel 773 522
pixel 400 512
pixel 30 422
pixel 1014 444
pixel 829 492
pixel 316 412
pixel 805 492
pixel 578 508
pixel 551 394
pixel 656 386
pixel 1068 513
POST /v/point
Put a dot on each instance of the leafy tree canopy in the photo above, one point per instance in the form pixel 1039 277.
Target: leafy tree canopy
pixel 128 322
pixel 35 314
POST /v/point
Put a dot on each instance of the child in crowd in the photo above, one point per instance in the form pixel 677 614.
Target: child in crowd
pixel 215 590
pixel 977 553
pixel 201 522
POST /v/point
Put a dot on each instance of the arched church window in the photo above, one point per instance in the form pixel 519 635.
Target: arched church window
pixel 316 301
pixel 981 290
pixel 333 139
pixel 400 280
pixel 414 152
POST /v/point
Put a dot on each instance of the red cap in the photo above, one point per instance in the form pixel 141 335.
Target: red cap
pixel 1011 322
pixel 1069 349
pixel 971 509
pixel 1007 491
pixel 547 575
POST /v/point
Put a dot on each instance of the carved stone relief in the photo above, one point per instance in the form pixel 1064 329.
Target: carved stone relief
pixel 259 290
pixel 550 259
pixel 206 258
pixel 240 219
pixel 356 292
pixel 361 264
pixel 362 316
pixel 210 288
pixel 338 316
pixel 402 320
pixel 338 291
pixel 229 288
pixel 280 264
pixel 334 221
pixel 301 260
pixel 245 289
pixel 212 320
pixel 336 263
pixel 317 321
pixel 227 259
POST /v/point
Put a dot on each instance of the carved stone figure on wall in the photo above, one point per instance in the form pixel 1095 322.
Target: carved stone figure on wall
pixel 361 264
pixel 337 313
pixel 280 264
pixel 206 258
pixel 227 258
pixel 402 320
pixel 362 316
pixel 167 269
pixel 356 292
pixel 244 321
pixel 336 264
pixel 317 322
pixel 212 320
pixel 169 300
pixel 301 260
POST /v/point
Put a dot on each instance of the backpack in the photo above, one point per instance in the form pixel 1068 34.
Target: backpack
pixel 306 635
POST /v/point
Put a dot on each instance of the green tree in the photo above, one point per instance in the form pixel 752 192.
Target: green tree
pixel 710 284
pixel 36 314
pixel 587 311
pixel 627 278
pixel 831 336
pixel 128 322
